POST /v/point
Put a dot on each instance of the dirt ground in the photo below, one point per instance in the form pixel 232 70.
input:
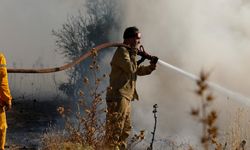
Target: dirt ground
pixel 28 120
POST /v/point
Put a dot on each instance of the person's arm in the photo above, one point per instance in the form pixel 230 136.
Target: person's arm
pixel 4 86
pixel 125 60
pixel 146 70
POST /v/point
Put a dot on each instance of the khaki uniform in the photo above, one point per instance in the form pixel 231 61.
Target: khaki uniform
pixel 5 98
pixel 122 90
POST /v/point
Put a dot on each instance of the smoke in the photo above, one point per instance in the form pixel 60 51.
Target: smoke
pixel 193 35
pixel 26 40
pixel 26 28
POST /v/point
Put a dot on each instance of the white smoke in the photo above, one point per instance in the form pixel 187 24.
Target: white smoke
pixel 193 35
pixel 26 29
pixel 26 40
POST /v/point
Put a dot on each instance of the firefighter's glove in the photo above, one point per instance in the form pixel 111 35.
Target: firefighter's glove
pixel 154 60
pixel 141 53
pixel 8 106
pixel 144 55
pixel 141 60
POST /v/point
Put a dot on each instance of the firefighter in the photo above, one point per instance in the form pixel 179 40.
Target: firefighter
pixel 122 89
pixel 5 100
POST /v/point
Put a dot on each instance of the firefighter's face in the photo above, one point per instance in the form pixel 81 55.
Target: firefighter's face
pixel 135 41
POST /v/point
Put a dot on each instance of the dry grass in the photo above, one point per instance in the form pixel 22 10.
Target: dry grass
pixel 208 117
pixel 85 126
pixel 204 115
pixel 237 135
pixel 54 140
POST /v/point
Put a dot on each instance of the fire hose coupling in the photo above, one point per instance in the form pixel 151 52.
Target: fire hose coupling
pixel 144 55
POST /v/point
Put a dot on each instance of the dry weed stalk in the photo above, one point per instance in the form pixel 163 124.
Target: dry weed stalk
pixel 86 125
pixel 90 129
pixel 153 133
pixel 206 116
pixel 137 138
pixel 238 130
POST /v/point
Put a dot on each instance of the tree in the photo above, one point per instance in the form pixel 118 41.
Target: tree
pixel 80 33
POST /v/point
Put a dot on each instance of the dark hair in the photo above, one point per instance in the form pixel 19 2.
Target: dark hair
pixel 130 32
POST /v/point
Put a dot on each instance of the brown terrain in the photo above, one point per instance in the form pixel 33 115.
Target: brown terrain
pixel 28 120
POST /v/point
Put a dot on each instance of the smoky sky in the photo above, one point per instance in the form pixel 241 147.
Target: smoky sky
pixel 193 35
pixel 26 29
pixel 26 40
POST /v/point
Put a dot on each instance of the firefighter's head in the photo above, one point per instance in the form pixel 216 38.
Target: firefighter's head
pixel 132 37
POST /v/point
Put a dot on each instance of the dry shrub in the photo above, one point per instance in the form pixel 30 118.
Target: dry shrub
pixel 238 130
pixel 84 126
pixel 208 117
pixel 205 115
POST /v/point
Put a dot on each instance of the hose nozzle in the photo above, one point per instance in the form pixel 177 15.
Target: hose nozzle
pixel 144 55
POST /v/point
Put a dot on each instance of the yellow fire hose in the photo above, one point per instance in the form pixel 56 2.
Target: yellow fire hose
pixel 69 65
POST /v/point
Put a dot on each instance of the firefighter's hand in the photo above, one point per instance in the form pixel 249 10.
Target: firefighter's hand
pixel 154 60
pixel 141 53
pixel 140 61
pixel 144 55
pixel 153 67
pixel 8 106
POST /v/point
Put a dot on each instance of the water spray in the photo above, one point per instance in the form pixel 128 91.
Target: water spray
pixel 240 98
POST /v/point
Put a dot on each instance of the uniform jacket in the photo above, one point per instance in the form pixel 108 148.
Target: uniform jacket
pixel 124 71
pixel 5 96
